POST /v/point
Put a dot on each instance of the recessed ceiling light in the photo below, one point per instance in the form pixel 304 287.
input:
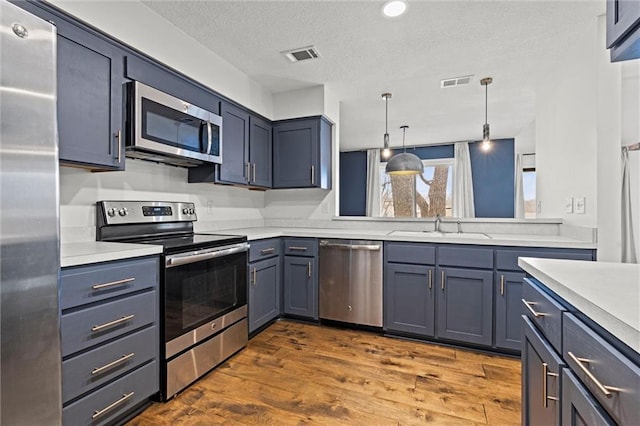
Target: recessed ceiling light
pixel 394 8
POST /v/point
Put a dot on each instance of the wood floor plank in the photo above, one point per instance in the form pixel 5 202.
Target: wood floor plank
pixel 294 373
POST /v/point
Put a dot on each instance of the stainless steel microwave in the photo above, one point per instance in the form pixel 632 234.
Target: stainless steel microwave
pixel 165 129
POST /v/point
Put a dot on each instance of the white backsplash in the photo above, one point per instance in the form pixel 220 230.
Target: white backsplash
pixel 217 206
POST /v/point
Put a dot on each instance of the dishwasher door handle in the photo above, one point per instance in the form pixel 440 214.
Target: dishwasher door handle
pixel 369 247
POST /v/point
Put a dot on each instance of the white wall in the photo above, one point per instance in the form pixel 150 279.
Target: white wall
pixel 525 141
pixel 566 134
pixel 138 26
pixel 608 151
pixel 298 103
pixel 216 206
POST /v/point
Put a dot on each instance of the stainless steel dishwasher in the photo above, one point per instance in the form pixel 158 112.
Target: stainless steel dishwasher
pixel 351 281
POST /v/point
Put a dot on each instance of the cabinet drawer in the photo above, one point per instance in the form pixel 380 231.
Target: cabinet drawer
pixel 264 249
pixel 301 247
pixel 584 350
pixel 86 284
pixel 419 254
pixel 544 312
pixel 112 319
pixel 578 406
pixel 96 367
pixel 110 402
pixel 507 259
pixel 467 257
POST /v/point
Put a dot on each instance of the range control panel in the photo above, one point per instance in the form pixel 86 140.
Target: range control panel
pixel 129 212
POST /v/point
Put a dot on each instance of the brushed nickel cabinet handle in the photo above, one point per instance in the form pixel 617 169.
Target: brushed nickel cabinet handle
pixel 313 175
pixel 120 360
pixel 255 276
pixel 501 285
pixel 268 250
pixel 111 406
pixel 248 172
pixel 545 374
pixel 253 168
pixel 309 270
pixel 296 248
pixel 119 137
pixel 442 280
pixel 112 323
pixel 112 284
pixel 430 279
pixel 606 390
pixel 533 312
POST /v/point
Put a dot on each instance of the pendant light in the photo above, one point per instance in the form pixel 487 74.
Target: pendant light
pixel 404 163
pixel 486 140
pixel 386 152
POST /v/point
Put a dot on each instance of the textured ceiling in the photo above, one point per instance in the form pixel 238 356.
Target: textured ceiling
pixel 363 55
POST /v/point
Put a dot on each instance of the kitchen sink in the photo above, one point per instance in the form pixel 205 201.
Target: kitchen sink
pixel 435 234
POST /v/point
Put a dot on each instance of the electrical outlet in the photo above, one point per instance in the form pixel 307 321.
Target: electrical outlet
pixel 325 208
pixel 539 207
pixel 568 205
pixel 210 207
pixel 579 205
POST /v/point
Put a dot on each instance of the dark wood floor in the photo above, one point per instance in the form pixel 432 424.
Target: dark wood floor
pixel 295 373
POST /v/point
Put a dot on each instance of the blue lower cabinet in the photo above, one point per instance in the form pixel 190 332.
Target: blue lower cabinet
pixel 465 305
pixel 541 367
pixel 578 406
pixel 508 298
pixel 264 292
pixel 109 403
pixel 301 287
pixel 409 300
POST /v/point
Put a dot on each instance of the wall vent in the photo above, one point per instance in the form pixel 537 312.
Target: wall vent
pixel 302 54
pixel 456 81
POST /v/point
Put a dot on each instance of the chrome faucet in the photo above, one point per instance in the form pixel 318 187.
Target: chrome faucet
pixel 438 223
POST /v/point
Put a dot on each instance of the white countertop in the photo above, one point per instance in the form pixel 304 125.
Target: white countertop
pixel 413 236
pixel 74 254
pixel 608 293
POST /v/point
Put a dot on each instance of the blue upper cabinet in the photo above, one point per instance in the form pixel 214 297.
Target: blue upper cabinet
pixel 235 139
pixel 246 151
pixel 302 153
pixel 260 149
pixel 89 106
pixel 623 29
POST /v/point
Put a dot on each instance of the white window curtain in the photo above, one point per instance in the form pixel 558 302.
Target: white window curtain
pixel 463 205
pixel 519 195
pixel 373 182
pixel 628 245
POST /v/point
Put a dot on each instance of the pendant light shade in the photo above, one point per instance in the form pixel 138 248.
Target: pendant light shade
pixel 404 163
pixel 386 152
pixel 486 139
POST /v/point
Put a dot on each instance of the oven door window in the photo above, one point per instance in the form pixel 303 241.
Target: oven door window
pixel 170 127
pixel 201 291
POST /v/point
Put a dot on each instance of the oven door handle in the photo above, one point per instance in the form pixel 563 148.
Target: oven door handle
pixel 200 255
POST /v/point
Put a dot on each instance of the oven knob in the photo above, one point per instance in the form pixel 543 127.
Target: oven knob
pixel 192 211
pixel 111 212
pixel 123 211
pixel 185 210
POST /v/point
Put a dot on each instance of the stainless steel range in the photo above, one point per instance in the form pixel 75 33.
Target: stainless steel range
pixel 203 285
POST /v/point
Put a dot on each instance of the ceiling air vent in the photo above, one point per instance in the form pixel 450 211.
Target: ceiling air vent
pixel 302 54
pixel 456 81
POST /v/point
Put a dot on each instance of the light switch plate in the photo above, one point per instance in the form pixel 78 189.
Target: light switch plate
pixel 568 205
pixel 579 205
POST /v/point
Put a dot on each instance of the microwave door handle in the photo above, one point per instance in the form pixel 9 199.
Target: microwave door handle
pixel 209 137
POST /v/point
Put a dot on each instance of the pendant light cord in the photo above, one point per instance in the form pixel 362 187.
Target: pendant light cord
pixel 486 92
pixel 386 114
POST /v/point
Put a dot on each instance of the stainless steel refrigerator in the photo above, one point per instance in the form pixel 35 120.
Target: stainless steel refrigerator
pixel 29 222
